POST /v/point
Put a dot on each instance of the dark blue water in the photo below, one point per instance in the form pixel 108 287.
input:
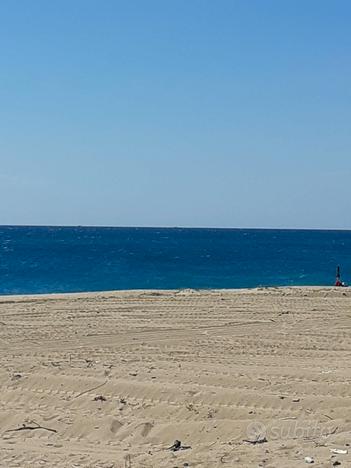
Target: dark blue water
pixel 63 259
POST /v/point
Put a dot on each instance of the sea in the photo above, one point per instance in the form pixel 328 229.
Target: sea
pixel 35 260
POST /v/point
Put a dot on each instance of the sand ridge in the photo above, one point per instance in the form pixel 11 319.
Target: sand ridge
pixel 209 368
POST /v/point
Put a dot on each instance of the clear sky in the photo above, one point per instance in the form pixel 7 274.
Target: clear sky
pixel 231 113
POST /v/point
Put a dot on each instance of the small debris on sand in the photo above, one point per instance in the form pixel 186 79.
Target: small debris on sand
pixel 339 451
pixel 178 446
pixel 100 398
pixel 259 440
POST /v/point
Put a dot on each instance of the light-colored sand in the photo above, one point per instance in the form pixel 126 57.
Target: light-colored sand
pixel 209 368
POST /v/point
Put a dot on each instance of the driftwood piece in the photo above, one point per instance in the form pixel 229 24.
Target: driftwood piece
pixel 91 389
pixel 259 440
pixel 29 427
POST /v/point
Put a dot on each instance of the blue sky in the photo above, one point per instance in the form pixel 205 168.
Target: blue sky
pixel 176 113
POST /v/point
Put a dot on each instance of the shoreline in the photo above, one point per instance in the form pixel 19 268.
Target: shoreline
pixel 169 291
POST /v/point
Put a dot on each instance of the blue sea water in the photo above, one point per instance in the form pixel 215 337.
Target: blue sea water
pixel 69 259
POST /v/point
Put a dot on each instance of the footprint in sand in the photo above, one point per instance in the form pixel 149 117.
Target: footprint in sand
pixel 115 426
pixel 146 429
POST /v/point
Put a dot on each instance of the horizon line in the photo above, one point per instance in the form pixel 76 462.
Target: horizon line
pixel 102 226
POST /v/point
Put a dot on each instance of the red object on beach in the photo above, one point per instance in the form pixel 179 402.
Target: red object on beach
pixel 338 282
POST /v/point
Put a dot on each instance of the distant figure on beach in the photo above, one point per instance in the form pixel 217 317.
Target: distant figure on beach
pixel 338 281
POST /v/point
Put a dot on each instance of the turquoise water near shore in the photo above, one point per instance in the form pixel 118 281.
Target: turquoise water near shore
pixel 74 259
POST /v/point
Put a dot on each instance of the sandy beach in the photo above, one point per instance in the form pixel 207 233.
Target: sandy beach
pixel 247 378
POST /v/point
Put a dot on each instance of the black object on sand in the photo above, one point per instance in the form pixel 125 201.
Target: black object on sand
pixel 178 446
